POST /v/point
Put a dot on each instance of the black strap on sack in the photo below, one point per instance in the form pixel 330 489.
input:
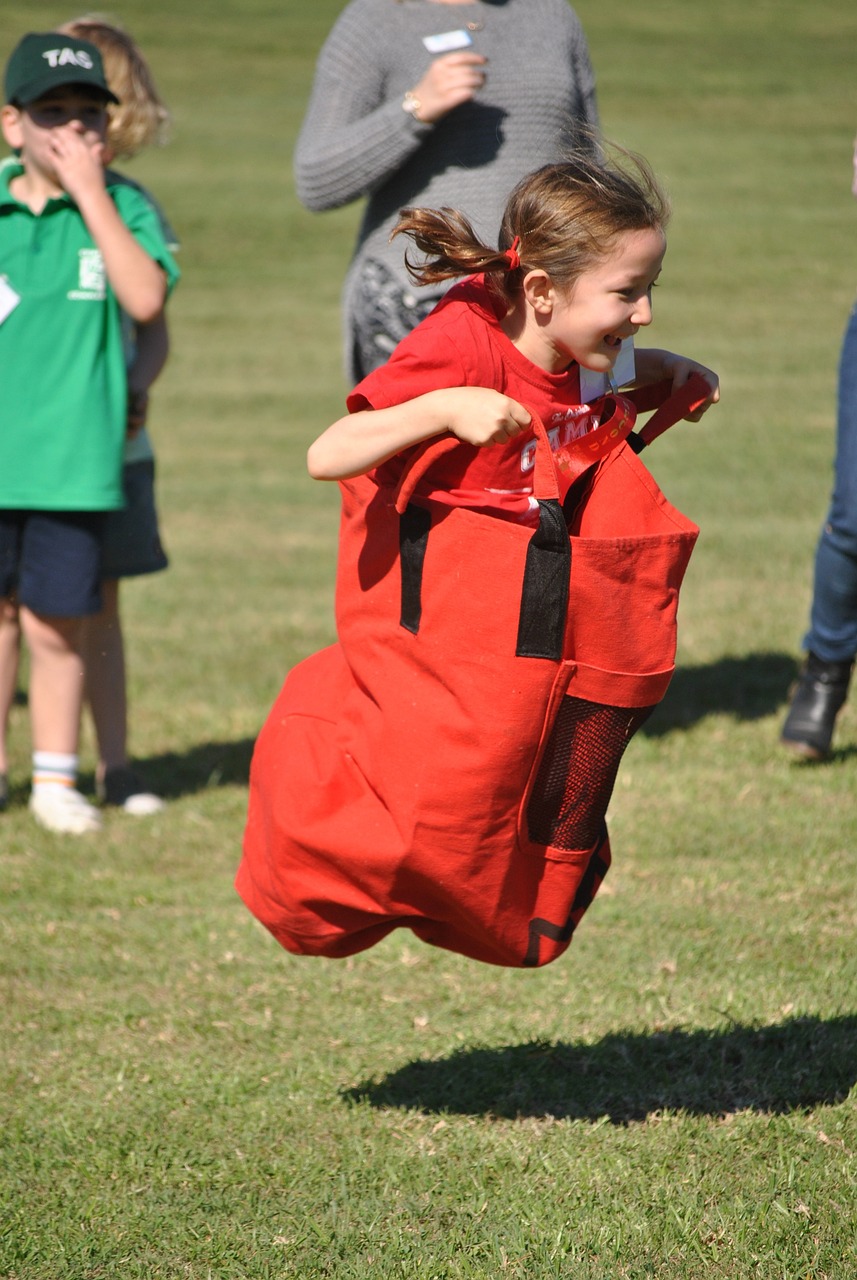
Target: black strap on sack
pixel 544 595
pixel 414 525
pixel 545 588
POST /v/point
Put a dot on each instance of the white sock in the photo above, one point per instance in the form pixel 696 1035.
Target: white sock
pixel 54 769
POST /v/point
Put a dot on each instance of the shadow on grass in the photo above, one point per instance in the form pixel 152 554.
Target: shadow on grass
pixel 206 765
pixel 748 688
pixel 796 1065
pixel 173 774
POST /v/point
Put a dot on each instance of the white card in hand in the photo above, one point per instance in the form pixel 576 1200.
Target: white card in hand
pixel 448 41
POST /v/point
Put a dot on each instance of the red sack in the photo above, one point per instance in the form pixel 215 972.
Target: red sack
pixel 447 766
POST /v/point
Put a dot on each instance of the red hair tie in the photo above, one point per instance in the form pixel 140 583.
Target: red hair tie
pixel 512 256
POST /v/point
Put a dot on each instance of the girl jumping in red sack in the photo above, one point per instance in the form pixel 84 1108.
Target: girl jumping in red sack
pixel 507 588
pixel 541 321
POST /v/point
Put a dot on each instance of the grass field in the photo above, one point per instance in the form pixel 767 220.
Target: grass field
pixel 675 1098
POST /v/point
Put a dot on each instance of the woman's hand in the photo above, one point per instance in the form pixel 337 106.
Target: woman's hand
pixel 450 80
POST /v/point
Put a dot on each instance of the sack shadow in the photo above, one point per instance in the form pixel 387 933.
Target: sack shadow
pixel 750 687
pixel 624 1077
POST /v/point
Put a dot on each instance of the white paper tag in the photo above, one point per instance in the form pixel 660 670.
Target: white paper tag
pixel 9 299
pixel 448 41
pixel 593 385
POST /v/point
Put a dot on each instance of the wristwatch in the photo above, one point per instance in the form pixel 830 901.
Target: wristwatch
pixel 412 105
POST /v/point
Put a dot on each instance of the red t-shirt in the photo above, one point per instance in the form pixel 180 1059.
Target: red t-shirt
pixel 461 344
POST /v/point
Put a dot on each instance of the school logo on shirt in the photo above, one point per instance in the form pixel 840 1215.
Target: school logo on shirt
pixel 91 284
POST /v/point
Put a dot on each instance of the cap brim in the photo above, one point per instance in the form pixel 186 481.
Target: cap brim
pixel 32 92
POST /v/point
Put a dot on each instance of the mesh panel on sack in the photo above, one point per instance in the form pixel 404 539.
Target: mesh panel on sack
pixel 577 772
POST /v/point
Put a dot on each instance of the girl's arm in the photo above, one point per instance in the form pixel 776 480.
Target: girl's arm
pixel 360 441
pixel 152 347
pixel 655 366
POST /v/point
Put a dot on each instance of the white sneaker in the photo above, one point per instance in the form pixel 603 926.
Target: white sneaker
pixel 63 809
pixel 142 804
pixel 124 788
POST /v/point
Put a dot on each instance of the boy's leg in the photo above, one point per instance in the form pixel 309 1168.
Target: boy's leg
pixel 10 548
pixel 56 697
pixel 56 680
pixel 59 573
pixel 10 637
pixel 10 645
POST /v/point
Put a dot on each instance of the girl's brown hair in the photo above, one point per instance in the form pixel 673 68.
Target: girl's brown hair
pixel 141 118
pixel 565 218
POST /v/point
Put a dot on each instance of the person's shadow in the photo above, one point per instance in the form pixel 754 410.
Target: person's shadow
pixel 173 774
pixel 748 687
pixel 802 1063
pixel 201 767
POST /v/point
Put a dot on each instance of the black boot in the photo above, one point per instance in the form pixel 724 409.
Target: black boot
pixel 815 703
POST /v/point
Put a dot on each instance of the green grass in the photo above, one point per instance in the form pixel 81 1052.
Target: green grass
pixel 675 1098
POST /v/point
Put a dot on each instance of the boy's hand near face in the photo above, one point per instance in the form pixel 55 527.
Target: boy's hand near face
pixel 78 159
pixel 60 139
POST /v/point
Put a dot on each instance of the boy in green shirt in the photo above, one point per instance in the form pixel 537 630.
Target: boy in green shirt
pixel 73 252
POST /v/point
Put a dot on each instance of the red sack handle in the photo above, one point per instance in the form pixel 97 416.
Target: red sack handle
pixel 575 458
pixel 670 408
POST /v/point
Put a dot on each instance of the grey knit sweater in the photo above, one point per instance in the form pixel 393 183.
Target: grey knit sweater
pixel 356 139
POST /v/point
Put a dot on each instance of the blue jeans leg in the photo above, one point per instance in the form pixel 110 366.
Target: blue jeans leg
pixel 832 634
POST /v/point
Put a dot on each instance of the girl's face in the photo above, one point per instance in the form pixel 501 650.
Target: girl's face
pixel 609 302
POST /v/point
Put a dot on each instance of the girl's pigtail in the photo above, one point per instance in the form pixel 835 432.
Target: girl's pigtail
pixel 451 247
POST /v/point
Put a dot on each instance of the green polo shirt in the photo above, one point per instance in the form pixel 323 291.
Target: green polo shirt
pixel 63 389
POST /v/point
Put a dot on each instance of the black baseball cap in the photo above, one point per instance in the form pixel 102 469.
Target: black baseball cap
pixel 45 60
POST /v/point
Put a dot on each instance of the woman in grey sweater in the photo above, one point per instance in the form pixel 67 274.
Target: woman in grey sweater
pixel 434 102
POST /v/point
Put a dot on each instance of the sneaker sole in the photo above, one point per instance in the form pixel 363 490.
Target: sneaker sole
pixel 143 806
pixel 805 750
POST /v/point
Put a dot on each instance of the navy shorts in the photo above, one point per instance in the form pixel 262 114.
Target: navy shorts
pixel 132 543
pixel 51 561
